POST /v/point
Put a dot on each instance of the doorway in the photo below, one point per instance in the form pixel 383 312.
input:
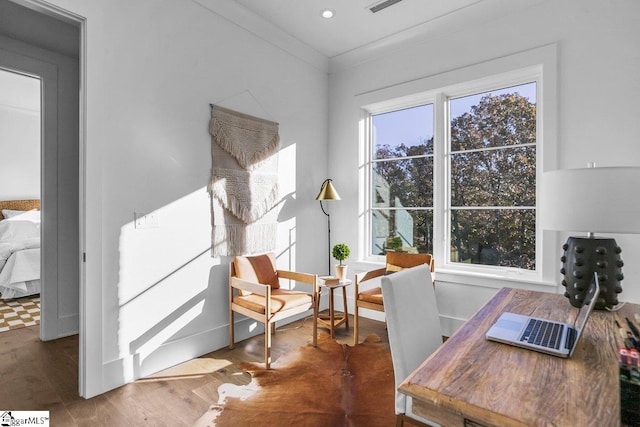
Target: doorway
pixel 20 117
pixel 36 40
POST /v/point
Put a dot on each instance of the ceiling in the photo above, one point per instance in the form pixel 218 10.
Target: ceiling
pixel 353 25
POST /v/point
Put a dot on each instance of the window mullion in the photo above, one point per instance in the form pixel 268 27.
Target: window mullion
pixel 440 179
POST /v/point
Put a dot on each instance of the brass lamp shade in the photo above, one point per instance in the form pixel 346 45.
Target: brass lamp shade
pixel 328 191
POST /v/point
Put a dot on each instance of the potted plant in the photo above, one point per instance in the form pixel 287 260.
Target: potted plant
pixel 341 252
pixel 394 243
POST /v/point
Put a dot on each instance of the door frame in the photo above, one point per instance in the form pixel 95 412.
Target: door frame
pixel 48 75
pixel 89 365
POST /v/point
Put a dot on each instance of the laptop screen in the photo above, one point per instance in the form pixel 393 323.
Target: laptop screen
pixel 583 313
pixel 587 307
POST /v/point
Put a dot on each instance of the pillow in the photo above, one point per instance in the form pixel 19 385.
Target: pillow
pixel 8 213
pixel 18 230
pixel 258 269
pixel 31 216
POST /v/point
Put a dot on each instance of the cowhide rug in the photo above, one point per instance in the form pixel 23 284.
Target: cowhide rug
pixel 329 385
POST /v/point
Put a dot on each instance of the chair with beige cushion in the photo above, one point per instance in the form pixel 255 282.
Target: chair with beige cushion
pixel 371 297
pixel 254 291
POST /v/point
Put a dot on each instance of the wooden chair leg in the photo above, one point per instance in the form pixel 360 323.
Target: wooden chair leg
pixel 344 306
pixel 231 332
pixel 399 420
pixel 355 323
pixel 315 321
pixel 267 346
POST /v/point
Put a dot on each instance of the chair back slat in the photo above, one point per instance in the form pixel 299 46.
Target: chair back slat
pixel 396 261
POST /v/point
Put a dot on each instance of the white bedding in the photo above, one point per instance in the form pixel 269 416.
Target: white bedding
pixel 20 255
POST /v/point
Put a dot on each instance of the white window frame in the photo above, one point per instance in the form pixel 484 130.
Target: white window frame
pixel 537 65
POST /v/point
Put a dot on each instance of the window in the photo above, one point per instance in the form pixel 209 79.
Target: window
pixel 487 155
pixel 492 178
pixel 402 180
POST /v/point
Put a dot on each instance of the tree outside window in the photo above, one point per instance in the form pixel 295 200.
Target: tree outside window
pixel 491 183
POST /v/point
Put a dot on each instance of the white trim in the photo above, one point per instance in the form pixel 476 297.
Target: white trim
pixel 453 82
pixel 90 361
pixel 539 65
pixel 52 10
pixel 90 367
pixel 48 145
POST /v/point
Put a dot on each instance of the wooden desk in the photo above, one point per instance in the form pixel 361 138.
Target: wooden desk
pixel 470 381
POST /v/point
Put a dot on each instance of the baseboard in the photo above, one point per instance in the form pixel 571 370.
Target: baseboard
pixel 68 325
pixel 133 367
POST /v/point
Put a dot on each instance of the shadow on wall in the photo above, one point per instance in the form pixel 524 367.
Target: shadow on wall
pixel 168 289
pixel 172 296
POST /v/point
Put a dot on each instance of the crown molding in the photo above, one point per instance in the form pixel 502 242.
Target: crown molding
pixel 264 30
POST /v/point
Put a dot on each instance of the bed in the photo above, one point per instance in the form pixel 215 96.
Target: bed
pixel 19 248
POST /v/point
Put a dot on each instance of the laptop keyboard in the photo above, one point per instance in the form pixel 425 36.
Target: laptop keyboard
pixel 543 333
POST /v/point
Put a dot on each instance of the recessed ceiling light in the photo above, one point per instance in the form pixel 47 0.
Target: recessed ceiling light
pixel 327 13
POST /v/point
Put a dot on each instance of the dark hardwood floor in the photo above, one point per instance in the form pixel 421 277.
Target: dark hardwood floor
pixel 37 375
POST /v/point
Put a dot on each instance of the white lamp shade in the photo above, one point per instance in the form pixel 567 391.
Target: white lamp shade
pixel 598 200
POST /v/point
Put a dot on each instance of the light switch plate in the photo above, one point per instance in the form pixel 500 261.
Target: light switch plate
pixel 146 220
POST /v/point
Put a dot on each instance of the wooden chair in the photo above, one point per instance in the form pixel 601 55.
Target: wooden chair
pixel 414 330
pixel 372 298
pixel 254 291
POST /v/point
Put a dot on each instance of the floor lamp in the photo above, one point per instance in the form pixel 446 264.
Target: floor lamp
pixel 591 200
pixel 328 192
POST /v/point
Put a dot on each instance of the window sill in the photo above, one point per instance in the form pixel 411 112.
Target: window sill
pixel 483 279
pixel 491 280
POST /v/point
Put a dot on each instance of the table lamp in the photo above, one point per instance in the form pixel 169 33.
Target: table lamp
pixel 591 200
pixel 327 192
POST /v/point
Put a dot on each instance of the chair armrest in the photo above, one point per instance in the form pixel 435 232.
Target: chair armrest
pixel 255 288
pixel 298 277
pixel 311 279
pixel 366 275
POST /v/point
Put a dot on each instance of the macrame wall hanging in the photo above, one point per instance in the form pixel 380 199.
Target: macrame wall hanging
pixel 244 183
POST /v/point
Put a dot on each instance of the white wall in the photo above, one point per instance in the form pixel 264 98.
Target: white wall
pixel 155 297
pixel 598 89
pixel 19 136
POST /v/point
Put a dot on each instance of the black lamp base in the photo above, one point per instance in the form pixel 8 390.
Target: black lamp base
pixel 584 256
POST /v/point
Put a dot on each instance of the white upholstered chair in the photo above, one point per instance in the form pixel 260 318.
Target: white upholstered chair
pixel 370 297
pixel 413 326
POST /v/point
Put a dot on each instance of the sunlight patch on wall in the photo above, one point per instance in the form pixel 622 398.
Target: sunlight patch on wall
pixel 164 272
pixel 163 335
pixel 286 247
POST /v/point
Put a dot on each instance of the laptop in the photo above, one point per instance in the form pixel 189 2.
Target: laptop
pixel 546 336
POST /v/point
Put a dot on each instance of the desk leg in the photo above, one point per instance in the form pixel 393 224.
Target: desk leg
pixel 344 305
pixel 331 313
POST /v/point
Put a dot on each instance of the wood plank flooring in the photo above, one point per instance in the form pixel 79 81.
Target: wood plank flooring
pixel 37 375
